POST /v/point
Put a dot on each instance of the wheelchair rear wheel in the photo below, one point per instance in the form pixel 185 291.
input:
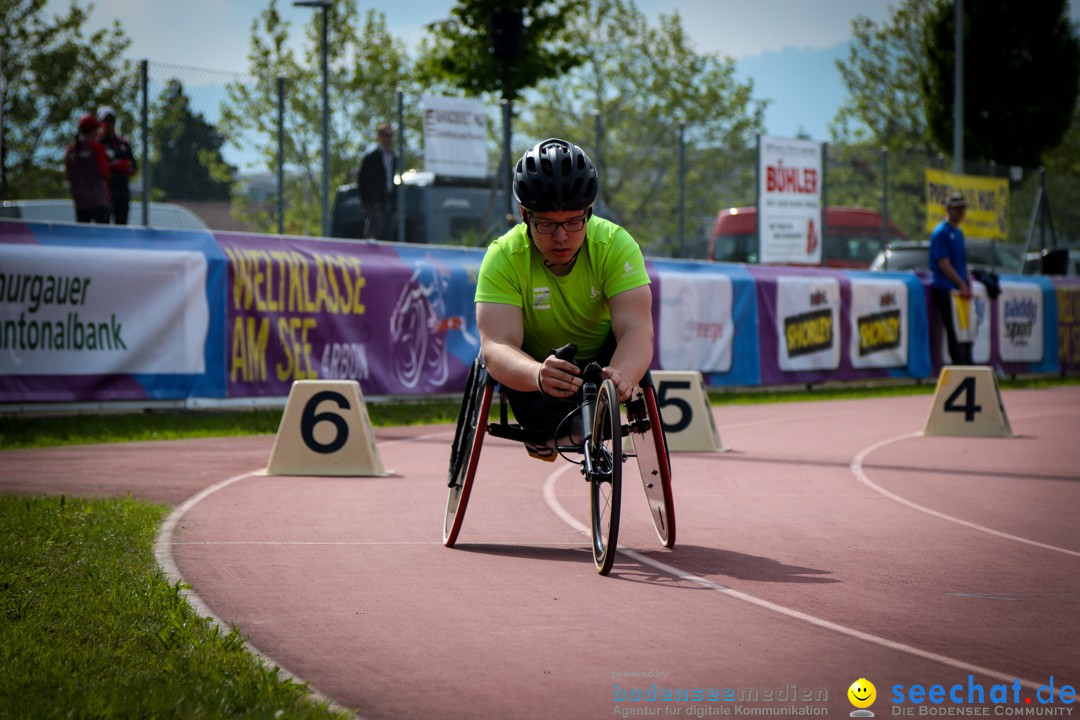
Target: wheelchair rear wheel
pixel 654 464
pixel 465 452
pixel 605 478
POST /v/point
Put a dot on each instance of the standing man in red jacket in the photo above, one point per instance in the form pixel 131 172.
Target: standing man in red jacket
pixel 87 172
pixel 122 165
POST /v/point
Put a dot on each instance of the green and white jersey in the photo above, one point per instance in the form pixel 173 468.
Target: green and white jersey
pixel 573 308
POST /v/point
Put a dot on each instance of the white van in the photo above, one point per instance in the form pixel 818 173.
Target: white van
pixel 162 215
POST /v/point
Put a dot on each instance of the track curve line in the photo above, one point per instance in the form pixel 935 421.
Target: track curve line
pixel 556 507
pixel 860 474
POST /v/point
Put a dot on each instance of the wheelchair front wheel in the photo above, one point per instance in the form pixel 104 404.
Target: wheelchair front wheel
pixel 605 479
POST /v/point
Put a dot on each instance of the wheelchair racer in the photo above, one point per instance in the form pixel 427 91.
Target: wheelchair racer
pixel 562 275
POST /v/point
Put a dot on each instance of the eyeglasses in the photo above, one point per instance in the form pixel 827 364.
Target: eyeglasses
pixel 548 227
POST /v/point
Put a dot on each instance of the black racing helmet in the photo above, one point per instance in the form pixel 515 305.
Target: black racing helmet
pixel 555 175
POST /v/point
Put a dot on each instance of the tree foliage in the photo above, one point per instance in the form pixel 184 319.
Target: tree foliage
pixel 366 66
pixel 643 81
pixel 187 162
pixel 50 74
pixel 884 105
pixel 1021 68
pixel 460 51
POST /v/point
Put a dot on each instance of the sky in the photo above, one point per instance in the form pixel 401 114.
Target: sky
pixel 787 47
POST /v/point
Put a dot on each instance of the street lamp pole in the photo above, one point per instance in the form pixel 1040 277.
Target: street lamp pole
pixel 325 5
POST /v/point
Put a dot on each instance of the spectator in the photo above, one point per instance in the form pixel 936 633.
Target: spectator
pixel 948 263
pixel 375 183
pixel 122 165
pixel 87 172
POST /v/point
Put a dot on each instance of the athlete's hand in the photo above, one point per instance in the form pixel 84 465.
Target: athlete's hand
pixel 622 385
pixel 558 378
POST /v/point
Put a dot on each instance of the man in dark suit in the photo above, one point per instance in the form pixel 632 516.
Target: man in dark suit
pixel 376 185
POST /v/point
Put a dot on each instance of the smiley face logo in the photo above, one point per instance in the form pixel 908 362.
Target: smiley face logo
pixel 862 693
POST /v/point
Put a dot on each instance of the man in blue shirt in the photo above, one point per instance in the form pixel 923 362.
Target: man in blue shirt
pixel 948 263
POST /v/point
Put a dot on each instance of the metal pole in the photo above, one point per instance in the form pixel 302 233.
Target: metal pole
pixel 508 162
pixel 144 122
pixel 958 92
pixel 281 155
pixel 401 165
pixel 325 126
pixel 885 201
pixel 824 197
pixel 682 189
pixel 3 154
pixel 599 130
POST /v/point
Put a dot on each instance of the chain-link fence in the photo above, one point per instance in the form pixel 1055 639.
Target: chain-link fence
pixel 204 154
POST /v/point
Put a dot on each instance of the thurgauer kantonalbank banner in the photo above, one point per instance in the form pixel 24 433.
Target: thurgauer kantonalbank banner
pixel 987 201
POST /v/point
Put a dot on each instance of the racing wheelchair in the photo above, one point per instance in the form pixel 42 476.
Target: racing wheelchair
pixel 601 451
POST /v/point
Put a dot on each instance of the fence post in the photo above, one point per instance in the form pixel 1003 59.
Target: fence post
pixel 598 128
pixel 281 155
pixel 509 163
pixel 682 189
pixel 401 159
pixel 144 122
pixel 884 197
pixel 824 196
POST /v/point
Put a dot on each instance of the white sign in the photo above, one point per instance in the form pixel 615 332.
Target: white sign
pixel 455 136
pixel 879 323
pixel 696 329
pixel 808 323
pixel 978 327
pixel 1020 322
pixel 101 311
pixel 789 200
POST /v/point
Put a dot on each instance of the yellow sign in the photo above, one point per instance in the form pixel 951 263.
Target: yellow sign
pixel 987 202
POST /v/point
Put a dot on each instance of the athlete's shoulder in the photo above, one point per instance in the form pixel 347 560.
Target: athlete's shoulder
pixel 513 242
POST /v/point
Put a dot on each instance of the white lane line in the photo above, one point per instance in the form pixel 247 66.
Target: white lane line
pixel 163 552
pixel 552 502
pixel 861 476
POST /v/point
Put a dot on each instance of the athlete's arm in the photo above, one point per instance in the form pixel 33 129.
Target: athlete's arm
pixel 631 321
pixel 501 333
pixel 950 272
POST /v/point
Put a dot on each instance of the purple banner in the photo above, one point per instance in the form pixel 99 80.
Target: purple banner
pixel 303 310
pixel 1067 291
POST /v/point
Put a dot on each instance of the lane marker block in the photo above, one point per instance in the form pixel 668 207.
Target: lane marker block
pixel 967 402
pixel 325 430
pixel 686 412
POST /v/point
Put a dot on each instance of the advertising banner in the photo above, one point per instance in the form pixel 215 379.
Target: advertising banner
pixel 808 323
pixel 706 319
pixel 455 136
pixel 83 311
pixel 987 199
pixel 301 310
pixel 697 331
pixel 1067 294
pixel 879 323
pixel 1020 322
pixel 789 200
pixel 109 313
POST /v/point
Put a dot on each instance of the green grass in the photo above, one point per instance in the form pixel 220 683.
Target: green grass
pixel 91 627
pixel 29 431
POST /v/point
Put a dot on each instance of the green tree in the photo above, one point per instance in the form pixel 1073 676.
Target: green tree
pixel 884 109
pixel 884 106
pixel 186 162
pixel 366 66
pixel 1022 65
pixel 50 74
pixel 461 53
pixel 643 81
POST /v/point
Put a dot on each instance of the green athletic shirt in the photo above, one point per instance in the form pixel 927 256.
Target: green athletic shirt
pixel 573 308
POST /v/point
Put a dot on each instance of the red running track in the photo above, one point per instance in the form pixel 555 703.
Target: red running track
pixel 832 544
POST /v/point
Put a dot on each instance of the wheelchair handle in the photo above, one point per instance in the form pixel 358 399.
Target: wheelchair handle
pixel 566 352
